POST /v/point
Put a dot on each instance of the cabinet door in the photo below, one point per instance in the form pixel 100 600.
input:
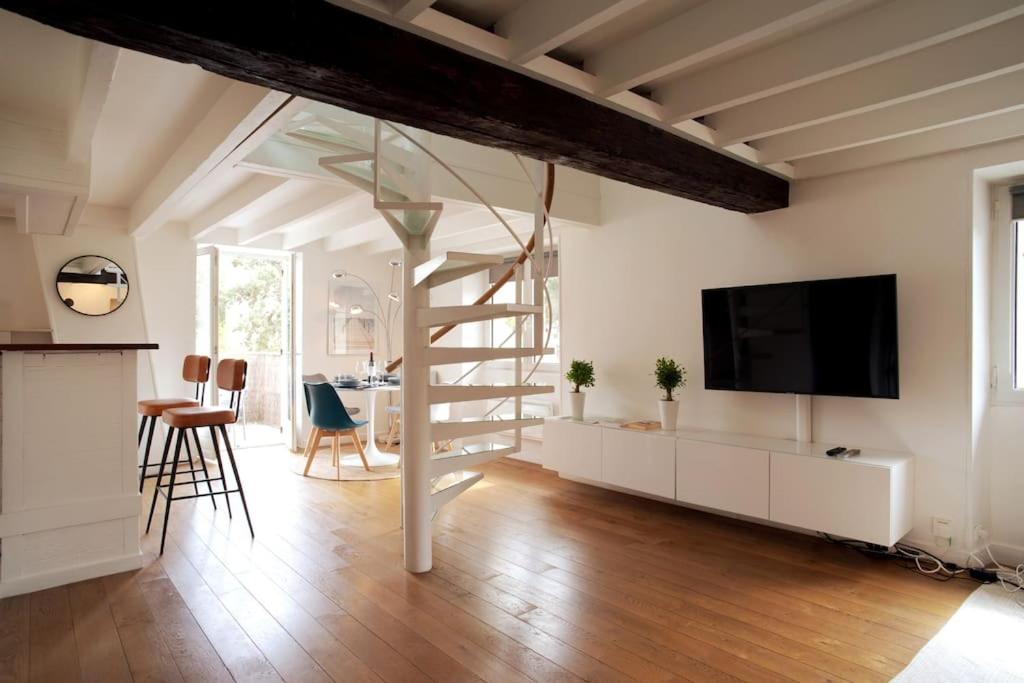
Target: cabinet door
pixel 573 449
pixel 640 462
pixel 722 477
pixel 835 496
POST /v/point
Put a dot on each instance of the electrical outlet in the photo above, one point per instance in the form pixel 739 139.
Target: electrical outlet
pixel 941 528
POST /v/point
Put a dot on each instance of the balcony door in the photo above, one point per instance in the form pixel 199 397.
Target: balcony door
pixel 244 310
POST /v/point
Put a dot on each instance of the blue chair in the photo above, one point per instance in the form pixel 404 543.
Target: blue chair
pixel 328 416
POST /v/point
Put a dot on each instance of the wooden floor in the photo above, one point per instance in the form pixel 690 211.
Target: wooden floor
pixel 535 578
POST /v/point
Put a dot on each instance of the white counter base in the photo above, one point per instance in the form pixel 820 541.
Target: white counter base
pixel 70 505
pixel 787 483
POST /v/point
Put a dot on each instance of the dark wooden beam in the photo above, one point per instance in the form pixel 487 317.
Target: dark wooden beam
pixel 320 51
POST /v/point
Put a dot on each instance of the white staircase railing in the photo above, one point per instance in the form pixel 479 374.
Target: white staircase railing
pixel 392 165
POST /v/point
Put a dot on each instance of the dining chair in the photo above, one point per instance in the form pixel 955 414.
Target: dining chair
pixel 329 418
pixel 321 378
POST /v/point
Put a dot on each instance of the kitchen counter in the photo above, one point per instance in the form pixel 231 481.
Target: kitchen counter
pixel 69 500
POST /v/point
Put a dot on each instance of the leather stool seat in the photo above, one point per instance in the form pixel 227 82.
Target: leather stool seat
pixel 198 416
pixel 154 407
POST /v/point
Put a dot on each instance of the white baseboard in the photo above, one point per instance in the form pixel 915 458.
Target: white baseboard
pixel 38 582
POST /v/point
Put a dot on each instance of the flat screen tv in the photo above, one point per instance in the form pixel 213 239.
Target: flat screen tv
pixel 825 337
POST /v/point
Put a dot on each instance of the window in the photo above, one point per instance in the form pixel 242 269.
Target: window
pixel 502 330
pixel 1008 295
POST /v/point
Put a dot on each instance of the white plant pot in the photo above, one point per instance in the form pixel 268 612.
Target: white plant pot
pixel 669 414
pixel 576 400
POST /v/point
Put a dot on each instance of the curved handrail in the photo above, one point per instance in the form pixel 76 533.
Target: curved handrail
pixel 527 250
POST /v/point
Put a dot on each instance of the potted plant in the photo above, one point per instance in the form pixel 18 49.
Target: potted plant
pixel 669 376
pixel 581 374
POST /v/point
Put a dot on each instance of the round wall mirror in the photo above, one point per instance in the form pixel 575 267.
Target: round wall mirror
pixel 92 285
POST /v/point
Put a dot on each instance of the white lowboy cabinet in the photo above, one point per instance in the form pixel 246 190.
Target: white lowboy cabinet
pixel 70 504
pixel 869 497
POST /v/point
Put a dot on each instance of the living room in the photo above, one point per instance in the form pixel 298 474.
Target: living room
pixel 632 541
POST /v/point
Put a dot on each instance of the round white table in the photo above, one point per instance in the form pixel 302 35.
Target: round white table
pixel 374 456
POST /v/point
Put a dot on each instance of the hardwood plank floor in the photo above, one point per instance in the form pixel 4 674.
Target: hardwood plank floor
pixel 535 578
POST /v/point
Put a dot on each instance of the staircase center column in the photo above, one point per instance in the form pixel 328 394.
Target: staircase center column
pixel 416 414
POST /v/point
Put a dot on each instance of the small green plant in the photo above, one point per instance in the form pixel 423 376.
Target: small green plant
pixel 669 375
pixel 581 374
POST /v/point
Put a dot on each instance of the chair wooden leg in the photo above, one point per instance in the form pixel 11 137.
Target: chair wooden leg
pixel 335 446
pixel 395 425
pixel 359 447
pixel 314 443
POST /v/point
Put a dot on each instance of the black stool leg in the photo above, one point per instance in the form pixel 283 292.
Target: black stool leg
pixel 220 468
pixel 159 477
pixel 238 480
pixel 170 489
pixel 145 456
pixel 142 428
pixel 206 472
pixel 191 466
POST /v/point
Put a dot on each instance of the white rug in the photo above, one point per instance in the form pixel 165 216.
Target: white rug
pixel 984 641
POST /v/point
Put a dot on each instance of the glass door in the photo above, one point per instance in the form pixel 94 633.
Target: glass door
pixel 244 310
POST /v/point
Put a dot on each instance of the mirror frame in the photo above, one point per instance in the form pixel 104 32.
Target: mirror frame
pixel 127 284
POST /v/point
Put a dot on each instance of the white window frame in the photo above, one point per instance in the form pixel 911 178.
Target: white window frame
pixel 1004 303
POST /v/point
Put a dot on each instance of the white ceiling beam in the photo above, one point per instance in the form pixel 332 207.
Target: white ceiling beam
pixel 968 134
pixel 539 26
pixel 241 118
pixel 878 34
pixel 21 213
pixel 448 226
pixel 356 209
pixel 708 30
pixel 108 217
pixel 356 235
pixel 461 35
pixel 976 100
pixel 407 10
pixel 982 54
pixel 317 203
pixel 99 74
pixel 233 203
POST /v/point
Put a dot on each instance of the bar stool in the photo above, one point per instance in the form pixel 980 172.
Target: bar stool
pixel 195 370
pixel 231 376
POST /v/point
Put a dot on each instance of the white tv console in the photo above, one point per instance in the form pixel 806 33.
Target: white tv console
pixel 869 497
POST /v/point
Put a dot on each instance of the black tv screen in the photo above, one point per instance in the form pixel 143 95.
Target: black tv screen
pixel 826 337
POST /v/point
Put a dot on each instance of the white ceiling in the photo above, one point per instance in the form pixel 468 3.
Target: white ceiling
pixel 152 106
pixel 802 87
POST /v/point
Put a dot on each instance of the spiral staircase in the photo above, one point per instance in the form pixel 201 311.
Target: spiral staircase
pixel 395 165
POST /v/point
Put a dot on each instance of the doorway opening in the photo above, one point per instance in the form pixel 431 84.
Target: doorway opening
pixel 244 310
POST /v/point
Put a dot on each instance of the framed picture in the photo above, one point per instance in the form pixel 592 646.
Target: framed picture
pixel 348 332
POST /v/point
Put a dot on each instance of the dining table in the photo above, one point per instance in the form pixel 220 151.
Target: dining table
pixel 374 456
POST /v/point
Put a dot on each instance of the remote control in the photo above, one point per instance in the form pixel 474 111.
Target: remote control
pixel 833 452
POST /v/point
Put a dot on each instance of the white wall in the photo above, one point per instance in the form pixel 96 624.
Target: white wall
pixel 22 306
pixel 317 266
pixel 631 292
pixel 126 324
pixel 167 284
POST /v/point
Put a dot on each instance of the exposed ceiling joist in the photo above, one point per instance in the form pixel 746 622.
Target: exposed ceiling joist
pixel 356 209
pixel 976 100
pixel 539 26
pixel 240 119
pixel 407 10
pixel 454 31
pixel 416 81
pixel 883 32
pixel 232 204
pixel 706 31
pixel 319 202
pixel 968 134
pixel 96 85
pixel 357 234
pixel 975 56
